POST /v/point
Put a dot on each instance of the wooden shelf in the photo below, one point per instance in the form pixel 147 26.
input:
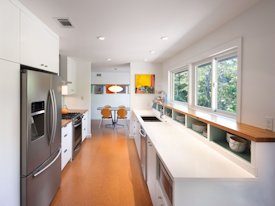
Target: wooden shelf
pixel 240 129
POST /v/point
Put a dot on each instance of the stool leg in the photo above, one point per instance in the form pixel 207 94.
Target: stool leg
pixel 100 123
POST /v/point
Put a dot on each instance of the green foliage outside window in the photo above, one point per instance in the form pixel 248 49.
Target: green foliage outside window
pixel 204 85
pixel 227 84
pixel 181 86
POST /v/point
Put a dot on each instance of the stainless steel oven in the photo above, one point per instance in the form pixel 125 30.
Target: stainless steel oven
pixel 165 181
pixel 143 152
pixel 77 130
pixel 77 134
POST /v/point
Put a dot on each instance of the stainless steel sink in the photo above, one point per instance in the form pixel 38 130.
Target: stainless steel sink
pixel 150 119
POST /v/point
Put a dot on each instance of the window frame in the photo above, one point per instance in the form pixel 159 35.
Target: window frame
pixel 195 90
pixel 172 90
pixel 218 58
pixel 213 60
pixel 229 47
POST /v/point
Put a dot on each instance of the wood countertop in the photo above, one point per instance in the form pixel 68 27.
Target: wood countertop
pixel 243 130
pixel 64 122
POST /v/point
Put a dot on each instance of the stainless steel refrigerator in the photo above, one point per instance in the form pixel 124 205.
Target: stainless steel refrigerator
pixel 40 136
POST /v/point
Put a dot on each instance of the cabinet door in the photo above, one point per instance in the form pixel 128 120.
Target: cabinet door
pixel 151 170
pixel 51 52
pixel 39 47
pixel 160 198
pixel 66 144
pixel 137 138
pixel 9 31
pixel 10 133
pixel 85 126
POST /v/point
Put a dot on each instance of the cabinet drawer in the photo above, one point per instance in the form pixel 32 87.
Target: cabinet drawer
pixel 66 144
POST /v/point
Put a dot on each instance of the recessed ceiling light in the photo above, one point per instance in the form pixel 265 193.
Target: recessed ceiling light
pixel 109 59
pixel 152 51
pixel 101 38
pixel 164 38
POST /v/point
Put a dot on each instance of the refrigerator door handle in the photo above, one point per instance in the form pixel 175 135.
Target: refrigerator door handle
pixel 54 117
pixel 45 168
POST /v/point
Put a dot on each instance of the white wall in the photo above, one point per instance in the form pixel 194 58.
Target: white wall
pixel 256 27
pixel 81 99
pixel 99 100
pixel 144 101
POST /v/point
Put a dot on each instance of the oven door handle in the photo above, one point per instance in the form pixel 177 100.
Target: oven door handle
pixel 77 124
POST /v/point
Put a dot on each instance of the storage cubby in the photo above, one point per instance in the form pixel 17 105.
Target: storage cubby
pixel 191 121
pixel 154 106
pixel 179 117
pixel 218 136
pixel 159 107
pixel 168 112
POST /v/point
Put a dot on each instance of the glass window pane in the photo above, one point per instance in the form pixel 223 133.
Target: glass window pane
pixel 181 86
pixel 227 84
pixel 204 85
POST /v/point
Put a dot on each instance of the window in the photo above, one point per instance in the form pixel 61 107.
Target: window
pixel 216 83
pixel 227 84
pixel 204 85
pixel 180 85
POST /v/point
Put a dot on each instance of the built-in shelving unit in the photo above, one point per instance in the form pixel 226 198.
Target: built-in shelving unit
pixel 216 129
pixel 179 117
pixel 168 112
pixel 191 121
pixel 218 136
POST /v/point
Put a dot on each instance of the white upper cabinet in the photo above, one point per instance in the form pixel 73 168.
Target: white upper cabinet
pixel 9 31
pixel 39 46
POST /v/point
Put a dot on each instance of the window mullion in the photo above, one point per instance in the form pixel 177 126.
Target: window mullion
pixel 214 84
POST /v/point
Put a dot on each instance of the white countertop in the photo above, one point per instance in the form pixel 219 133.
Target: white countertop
pixel 185 156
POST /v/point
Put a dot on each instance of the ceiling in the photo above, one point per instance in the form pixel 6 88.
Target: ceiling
pixel 133 27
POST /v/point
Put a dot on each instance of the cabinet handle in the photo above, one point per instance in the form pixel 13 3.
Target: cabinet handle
pixel 159 197
pixel 65 135
pixel 65 150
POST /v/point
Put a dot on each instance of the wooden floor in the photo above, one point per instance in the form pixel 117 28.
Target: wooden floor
pixel 106 172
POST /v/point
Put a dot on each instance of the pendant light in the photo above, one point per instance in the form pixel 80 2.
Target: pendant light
pixel 115 88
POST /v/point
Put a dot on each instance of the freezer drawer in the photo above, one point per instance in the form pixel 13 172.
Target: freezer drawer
pixel 40 189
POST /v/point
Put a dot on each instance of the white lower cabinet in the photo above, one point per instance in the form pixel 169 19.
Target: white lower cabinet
pixel 66 145
pixel 151 170
pixel 85 126
pixel 136 135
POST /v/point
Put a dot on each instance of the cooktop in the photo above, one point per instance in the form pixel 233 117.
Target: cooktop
pixel 70 115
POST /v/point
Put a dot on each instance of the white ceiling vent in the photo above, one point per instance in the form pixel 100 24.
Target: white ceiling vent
pixel 64 22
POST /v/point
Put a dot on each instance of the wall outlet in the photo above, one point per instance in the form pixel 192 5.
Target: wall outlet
pixel 269 123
